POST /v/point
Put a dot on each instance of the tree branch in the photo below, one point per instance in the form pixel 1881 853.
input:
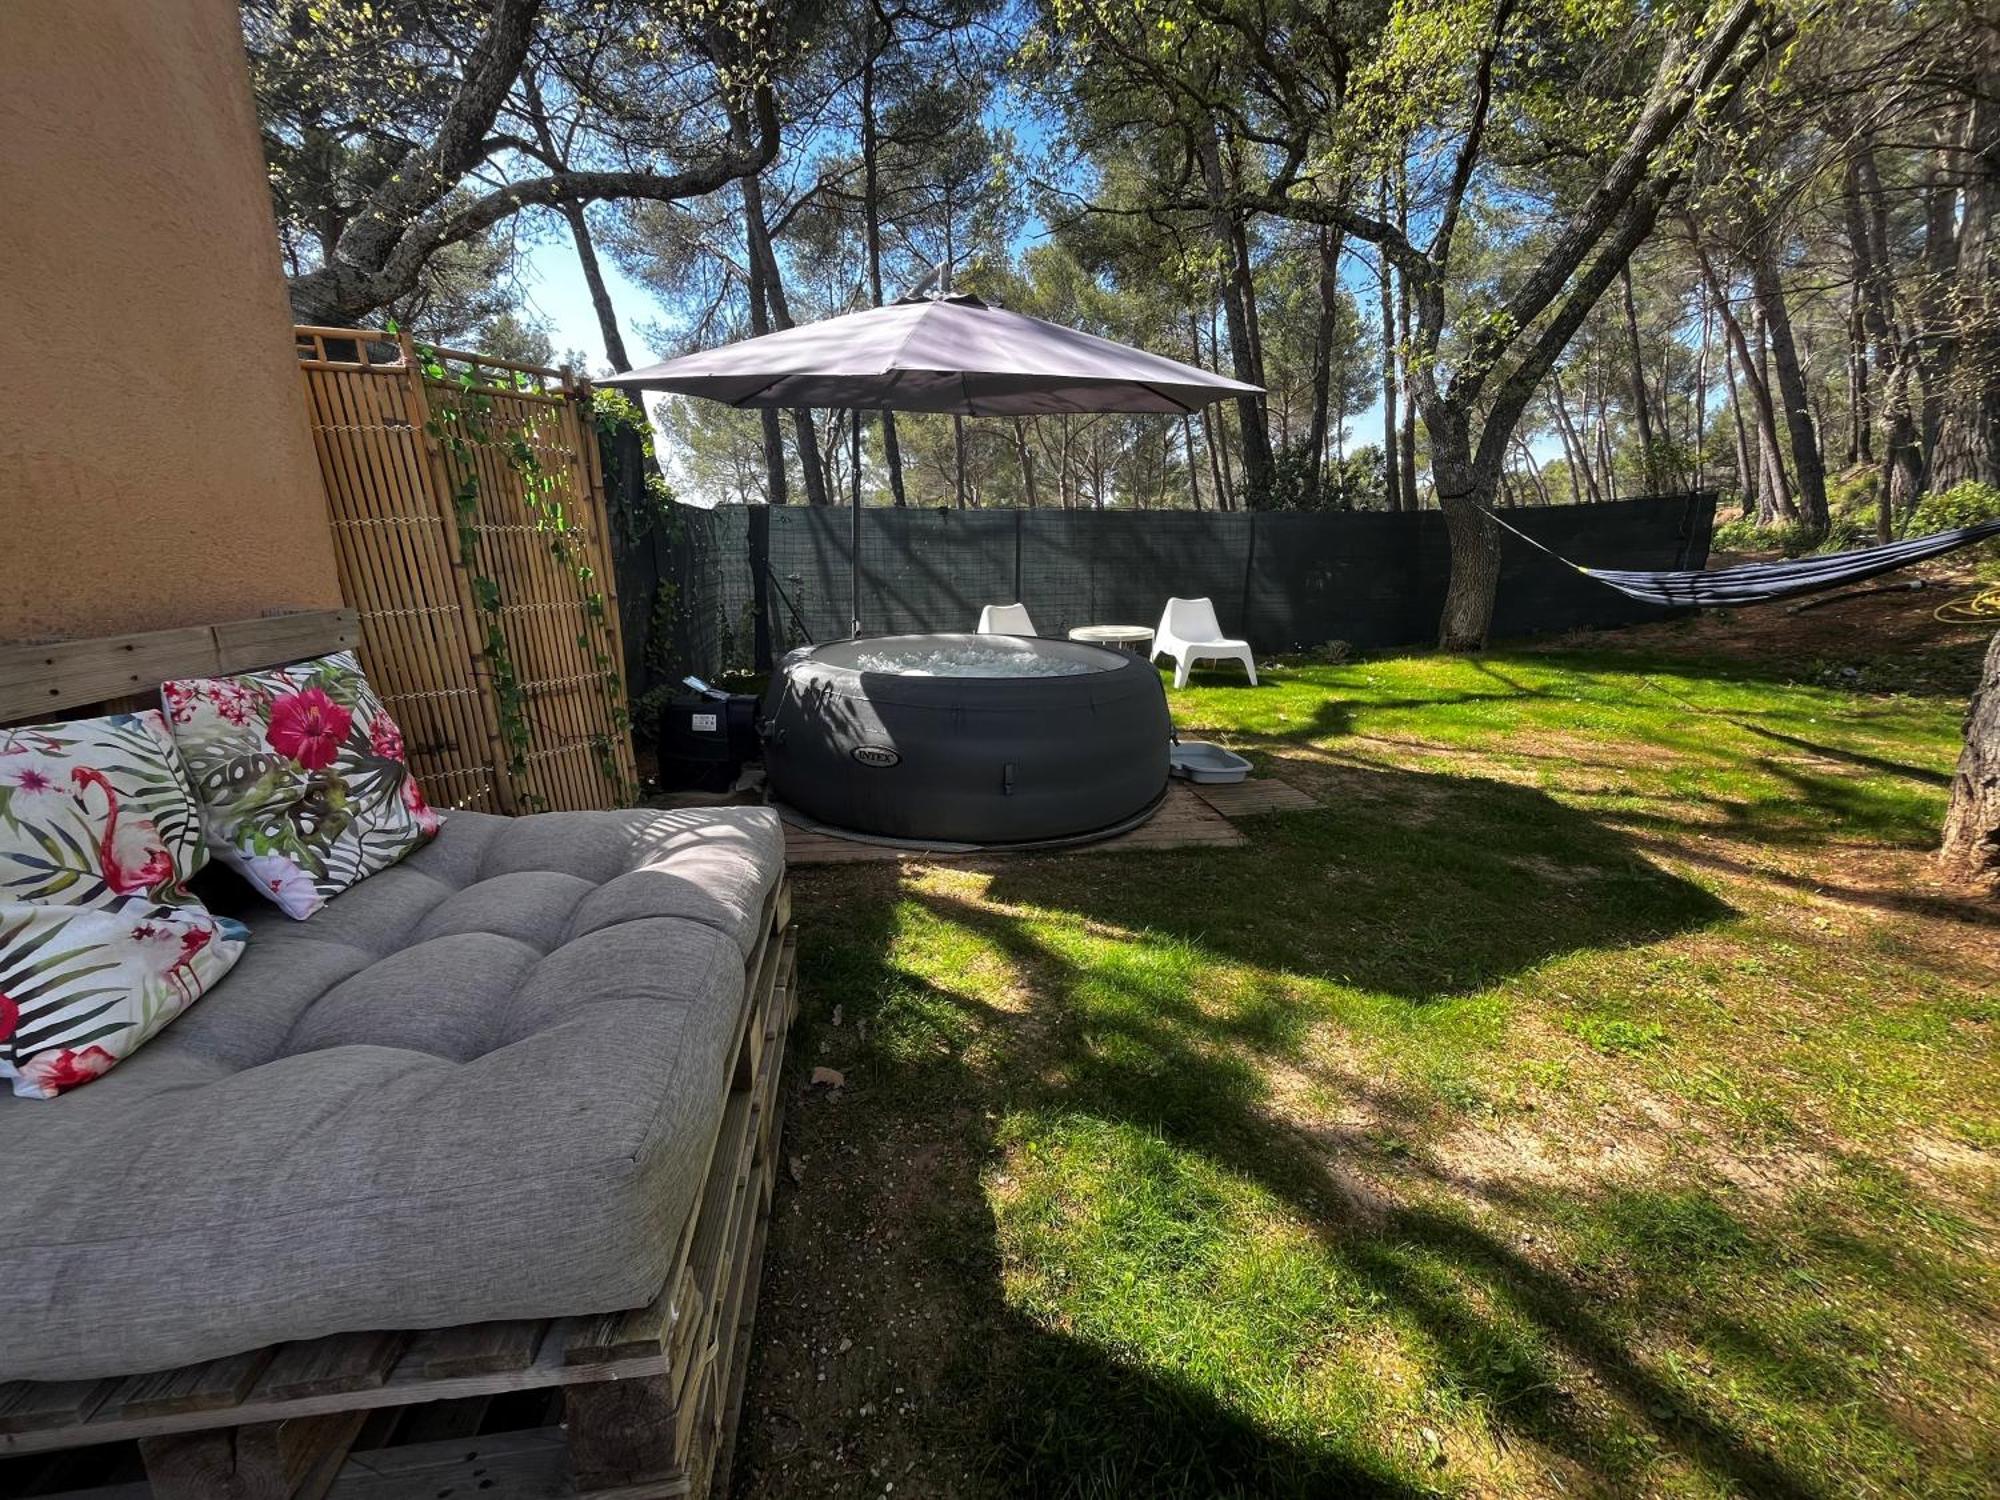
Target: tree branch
pixel 1475 131
pixel 340 290
pixel 429 172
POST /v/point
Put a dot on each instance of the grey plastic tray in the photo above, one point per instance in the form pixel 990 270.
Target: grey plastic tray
pixel 1198 760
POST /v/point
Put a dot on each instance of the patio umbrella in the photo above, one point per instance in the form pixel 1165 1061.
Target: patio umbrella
pixel 951 353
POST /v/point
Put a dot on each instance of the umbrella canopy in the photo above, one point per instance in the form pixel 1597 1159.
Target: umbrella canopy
pixel 945 354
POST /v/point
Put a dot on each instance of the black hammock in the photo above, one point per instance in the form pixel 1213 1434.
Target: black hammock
pixel 1760 583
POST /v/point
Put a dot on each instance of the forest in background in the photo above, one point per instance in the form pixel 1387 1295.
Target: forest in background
pixel 1550 250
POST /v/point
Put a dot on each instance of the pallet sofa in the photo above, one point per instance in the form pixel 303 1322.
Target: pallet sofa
pixel 500 1120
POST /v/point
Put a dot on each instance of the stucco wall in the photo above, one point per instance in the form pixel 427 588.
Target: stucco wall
pixel 155 464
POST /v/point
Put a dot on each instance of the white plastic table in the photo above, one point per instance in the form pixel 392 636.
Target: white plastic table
pixel 1130 637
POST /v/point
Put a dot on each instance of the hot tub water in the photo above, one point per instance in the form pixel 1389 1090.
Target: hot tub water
pixel 972 661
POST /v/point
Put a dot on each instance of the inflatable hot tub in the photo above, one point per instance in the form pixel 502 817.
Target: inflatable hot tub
pixel 968 739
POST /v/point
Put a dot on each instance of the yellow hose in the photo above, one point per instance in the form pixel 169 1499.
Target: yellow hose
pixel 1978 608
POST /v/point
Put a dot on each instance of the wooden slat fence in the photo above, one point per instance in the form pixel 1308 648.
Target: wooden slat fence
pixel 468 518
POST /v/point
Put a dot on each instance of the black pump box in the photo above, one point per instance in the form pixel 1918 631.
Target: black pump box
pixel 705 740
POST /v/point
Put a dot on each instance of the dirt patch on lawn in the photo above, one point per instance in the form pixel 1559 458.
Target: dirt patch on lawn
pixel 1899 622
pixel 868 1373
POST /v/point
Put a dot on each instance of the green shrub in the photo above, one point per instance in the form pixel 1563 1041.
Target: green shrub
pixel 1745 535
pixel 1964 504
pixel 1851 492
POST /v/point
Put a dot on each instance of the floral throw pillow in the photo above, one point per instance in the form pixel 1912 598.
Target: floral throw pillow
pixel 301 777
pixel 97 813
pixel 83 987
pixel 101 943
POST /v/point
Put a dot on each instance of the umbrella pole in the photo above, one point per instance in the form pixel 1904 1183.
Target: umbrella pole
pixel 958 456
pixel 854 534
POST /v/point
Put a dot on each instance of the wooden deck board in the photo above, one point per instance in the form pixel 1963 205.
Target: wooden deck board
pixel 1183 821
pixel 332 1365
pixel 216 1385
pixel 1260 794
pixel 28 1404
pixel 477 1348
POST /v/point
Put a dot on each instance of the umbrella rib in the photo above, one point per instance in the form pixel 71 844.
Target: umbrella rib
pixel 742 402
pixel 1186 410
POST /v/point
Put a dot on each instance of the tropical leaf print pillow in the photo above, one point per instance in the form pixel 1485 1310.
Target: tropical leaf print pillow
pixel 301 777
pixel 97 813
pixel 82 987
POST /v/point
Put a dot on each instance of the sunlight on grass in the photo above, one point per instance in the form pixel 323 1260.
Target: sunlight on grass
pixel 1536 1116
pixel 1783 757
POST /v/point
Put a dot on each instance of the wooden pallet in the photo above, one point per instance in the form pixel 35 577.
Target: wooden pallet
pixel 1183 821
pixel 1248 798
pixel 649 1395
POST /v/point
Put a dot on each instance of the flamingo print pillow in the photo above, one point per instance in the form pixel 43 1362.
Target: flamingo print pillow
pixel 101 944
pixel 301 777
pixel 82 987
pixel 97 813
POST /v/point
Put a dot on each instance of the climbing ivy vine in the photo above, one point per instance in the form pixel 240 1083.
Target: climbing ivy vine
pixel 463 424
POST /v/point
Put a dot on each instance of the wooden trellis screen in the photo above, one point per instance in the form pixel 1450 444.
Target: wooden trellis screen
pixel 468 518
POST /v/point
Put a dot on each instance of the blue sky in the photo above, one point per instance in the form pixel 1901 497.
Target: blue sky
pixel 553 288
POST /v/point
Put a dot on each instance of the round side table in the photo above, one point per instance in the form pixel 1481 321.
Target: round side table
pixel 1133 638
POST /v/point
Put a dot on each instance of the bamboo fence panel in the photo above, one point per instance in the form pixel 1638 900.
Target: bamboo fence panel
pixel 506 680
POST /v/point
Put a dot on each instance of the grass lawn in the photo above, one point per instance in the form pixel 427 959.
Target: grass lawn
pixel 1597 1095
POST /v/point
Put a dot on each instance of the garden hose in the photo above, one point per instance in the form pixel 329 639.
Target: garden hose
pixel 1980 607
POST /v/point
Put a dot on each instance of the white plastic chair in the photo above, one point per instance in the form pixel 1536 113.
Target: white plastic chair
pixel 1189 632
pixel 1005 619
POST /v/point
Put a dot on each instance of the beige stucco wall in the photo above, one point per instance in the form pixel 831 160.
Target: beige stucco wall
pixel 155 464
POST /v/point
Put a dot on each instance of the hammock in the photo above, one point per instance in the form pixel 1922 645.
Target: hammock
pixel 1761 583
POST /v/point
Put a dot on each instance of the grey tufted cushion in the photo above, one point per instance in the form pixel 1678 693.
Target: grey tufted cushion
pixel 477 1085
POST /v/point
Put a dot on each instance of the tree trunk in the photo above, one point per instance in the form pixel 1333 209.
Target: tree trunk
pixel 1935 346
pixel 600 294
pixel 1463 489
pixel 805 436
pixel 1407 465
pixel 1193 468
pixel 1532 469
pixel 1580 466
pixel 1392 483
pixel 1699 426
pixel 958 459
pixel 1971 851
pixel 1025 456
pixel 1256 436
pixel 1867 233
pixel 1746 474
pixel 1642 402
pixel 1215 423
pixel 1322 366
pixel 1968 444
pixel 1859 423
pixel 776 489
pixel 892 451
pixel 1213 448
pixel 1603 440
pixel 1773 490
pixel 1777 479
pixel 1806 461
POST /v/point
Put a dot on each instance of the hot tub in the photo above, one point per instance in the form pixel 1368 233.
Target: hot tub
pixel 967 739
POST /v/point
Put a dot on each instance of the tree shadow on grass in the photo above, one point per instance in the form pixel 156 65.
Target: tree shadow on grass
pixel 1174 1071
pixel 899 1341
pixel 1119 1062
pixel 1425 887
